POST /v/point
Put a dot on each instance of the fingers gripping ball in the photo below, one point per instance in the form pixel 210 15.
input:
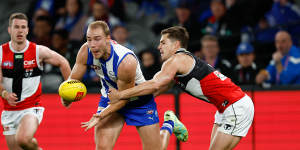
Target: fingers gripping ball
pixel 72 90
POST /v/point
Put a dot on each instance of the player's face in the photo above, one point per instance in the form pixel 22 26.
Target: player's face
pixel 167 47
pixel 18 30
pixel 97 41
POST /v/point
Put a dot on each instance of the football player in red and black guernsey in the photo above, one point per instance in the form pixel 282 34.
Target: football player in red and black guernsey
pixel 21 63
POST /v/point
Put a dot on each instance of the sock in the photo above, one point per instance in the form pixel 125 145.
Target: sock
pixel 168 125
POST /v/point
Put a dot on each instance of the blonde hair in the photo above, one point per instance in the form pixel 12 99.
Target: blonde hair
pixel 102 24
pixel 16 16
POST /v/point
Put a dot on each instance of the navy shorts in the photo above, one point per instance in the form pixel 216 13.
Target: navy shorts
pixel 145 114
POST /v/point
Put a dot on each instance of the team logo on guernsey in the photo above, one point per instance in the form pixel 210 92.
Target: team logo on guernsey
pixel 28 73
pixel 225 103
pixel 220 75
pixel 111 73
pixel 150 112
pixel 18 56
pixel 7 64
pixel 95 67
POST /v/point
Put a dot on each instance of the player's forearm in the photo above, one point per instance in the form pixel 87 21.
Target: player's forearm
pixel 65 69
pixel 112 108
pixel 145 88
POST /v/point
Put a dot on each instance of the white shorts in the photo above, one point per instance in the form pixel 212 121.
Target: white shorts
pixel 11 119
pixel 237 118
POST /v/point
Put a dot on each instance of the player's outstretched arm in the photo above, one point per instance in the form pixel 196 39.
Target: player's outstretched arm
pixel 51 57
pixel 161 80
pixel 126 79
pixel 79 68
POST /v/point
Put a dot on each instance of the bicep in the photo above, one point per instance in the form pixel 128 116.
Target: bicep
pixel 167 73
pixel 51 57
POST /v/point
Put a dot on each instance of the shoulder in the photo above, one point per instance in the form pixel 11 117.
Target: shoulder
pixel 128 63
pixel 83 49
pixel 127 68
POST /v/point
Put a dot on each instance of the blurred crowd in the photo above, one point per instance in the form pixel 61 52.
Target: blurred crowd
pixel 250 41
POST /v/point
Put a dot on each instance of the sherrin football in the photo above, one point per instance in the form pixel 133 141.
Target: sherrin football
pixel 72 90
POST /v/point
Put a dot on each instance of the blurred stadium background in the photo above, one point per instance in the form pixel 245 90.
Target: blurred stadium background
pixel 277 111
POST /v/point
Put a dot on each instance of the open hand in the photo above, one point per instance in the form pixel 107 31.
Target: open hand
pixel 93 121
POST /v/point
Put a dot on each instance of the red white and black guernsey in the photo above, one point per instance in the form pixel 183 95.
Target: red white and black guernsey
pixel 206 83
pixel 21 73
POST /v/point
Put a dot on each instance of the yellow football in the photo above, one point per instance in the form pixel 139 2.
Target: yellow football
pixel 72 90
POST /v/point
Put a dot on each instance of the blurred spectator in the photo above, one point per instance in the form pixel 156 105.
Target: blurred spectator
pixel 120 34
pixel 185 18
pixel 42 31
pixel 246 69
pixel 213 23
pixel 263 32
pixel 73 21
pixel 284 67
pixel 282 13
pixel 115 7
pixel 61 44
pixel 150 7
pixel 226 26
pixel 286 15
pixel 53 8
pixel 101 12
pixel 151 64
pixel 210 50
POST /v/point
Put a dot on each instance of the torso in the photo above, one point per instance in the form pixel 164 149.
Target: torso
pixel 206 83
pixel 21 75
pixel 107 70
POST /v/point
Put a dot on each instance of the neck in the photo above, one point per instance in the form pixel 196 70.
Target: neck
pixel 107 53
pixel 18 46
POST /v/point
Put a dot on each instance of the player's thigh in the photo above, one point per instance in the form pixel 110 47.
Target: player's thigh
pixel 27 127
pixel 150 136
pixel 11 142
pixel 214 131
pixel 108 130
pixel 222 141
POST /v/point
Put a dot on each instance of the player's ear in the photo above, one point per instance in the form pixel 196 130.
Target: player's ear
pixel 177 44
pixel 8 29
pixel 108 38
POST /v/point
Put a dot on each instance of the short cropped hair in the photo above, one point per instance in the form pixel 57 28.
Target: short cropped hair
pixel 209 38
pixel 101 24
pixel 177 33
pixel 17 16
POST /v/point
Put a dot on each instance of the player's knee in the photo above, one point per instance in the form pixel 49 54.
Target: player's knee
pixel 23 141
pixel 104 146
